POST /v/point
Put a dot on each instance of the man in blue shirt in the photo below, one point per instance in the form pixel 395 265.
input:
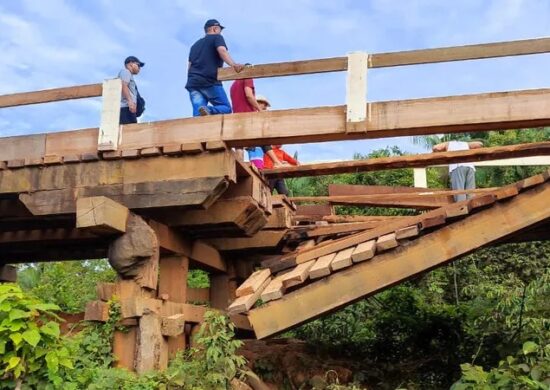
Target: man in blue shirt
pixel 206 56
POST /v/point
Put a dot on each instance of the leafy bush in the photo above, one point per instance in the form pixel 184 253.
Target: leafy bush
pixel 529 369
pixel 31 349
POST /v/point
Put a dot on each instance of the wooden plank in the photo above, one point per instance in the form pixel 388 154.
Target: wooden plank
pixel 152 351
pixel 433 220
pixel 192 147
pixel 253 283
pixel 285 69
pixel 386 242
pixel 172 149
pixel 215 146
pixel 124 347
pixel 380 60
pixel 421 202
pixel 105 291
pixel 322 266
pixel 408 232
pixel 356 189
pixel 151 152
pixel 410 161
pixel 51 95
pixel 274 290
pixel 337 228
pixel 109 129
pixel 385 270
pixel 342 259
pixel 457 210
pixel 97 311
pixel 262 239
pixel 173 325
pixel 243 304
pixel 480 112
pixel 298 275
pixel 173 278
pixel 364 251
pixel 101 215
pixel 207 257
pixel 460 53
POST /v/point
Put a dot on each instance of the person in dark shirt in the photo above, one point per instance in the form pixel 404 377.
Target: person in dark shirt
pixel 206 56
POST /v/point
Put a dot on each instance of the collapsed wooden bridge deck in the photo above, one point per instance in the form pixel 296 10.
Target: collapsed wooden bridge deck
pixel 159 198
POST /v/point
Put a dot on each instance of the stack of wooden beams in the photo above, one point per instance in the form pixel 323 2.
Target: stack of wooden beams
pixel 288 273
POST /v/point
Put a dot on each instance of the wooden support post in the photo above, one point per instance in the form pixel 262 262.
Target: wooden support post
pixel 101 215
pixel 220 297
pixel 124 347
pixel 356 96
pixel 152 351
pixel 173 278
pixel 109 130
pixel 173 282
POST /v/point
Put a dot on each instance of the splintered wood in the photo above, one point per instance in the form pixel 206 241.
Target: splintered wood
pixel 253 283
pixel 244 303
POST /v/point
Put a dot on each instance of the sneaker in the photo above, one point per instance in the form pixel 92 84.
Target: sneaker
pixel 203 111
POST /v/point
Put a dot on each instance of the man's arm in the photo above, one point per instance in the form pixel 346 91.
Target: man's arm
pixel 269 151
pixel 224 54
pixel 475 144
pixel 126 93
pixel 442 147
pixel 249 93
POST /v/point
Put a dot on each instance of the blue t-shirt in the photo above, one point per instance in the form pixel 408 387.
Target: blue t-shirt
pixel 205 62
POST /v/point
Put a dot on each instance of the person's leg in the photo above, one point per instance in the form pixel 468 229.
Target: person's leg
pixel 280 186
pixel 272 183
pixel 126 117
pixel 457 182
pixel 218 99
pixel 470 181
pixel 198 100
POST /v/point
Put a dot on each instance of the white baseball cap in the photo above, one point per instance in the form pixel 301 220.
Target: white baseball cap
pixel 261 98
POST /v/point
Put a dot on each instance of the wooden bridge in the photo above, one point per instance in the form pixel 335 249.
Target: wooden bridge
pixel 160 198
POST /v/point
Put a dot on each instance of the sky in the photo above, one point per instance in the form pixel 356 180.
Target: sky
pixel 57 43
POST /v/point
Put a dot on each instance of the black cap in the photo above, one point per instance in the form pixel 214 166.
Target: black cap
pixel 212 22
pixel 134 59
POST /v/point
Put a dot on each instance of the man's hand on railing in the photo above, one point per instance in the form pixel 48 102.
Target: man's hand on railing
pixel 238 67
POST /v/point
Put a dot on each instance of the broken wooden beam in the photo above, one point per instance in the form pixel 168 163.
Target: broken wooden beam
pixel 253 283
pixel 435 249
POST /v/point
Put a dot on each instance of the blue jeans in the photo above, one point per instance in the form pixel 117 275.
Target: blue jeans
pixel 215 95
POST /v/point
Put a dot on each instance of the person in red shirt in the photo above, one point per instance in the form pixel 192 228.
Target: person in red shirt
pixel 279 184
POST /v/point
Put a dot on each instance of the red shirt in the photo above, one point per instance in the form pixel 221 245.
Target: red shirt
pixel 238 97
pixel 281 155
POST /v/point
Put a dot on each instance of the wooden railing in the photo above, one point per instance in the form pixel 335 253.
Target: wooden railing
pixel 401 58
pixel 355 120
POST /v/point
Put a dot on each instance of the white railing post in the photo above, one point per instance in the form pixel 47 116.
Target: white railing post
pixel 420 178
pixel 356 92
pixel 109 130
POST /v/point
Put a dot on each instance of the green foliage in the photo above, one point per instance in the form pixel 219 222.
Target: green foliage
pixel 68 284
pixel 214 363
pixel 31 349
pixel 529 369
pixel 197 278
